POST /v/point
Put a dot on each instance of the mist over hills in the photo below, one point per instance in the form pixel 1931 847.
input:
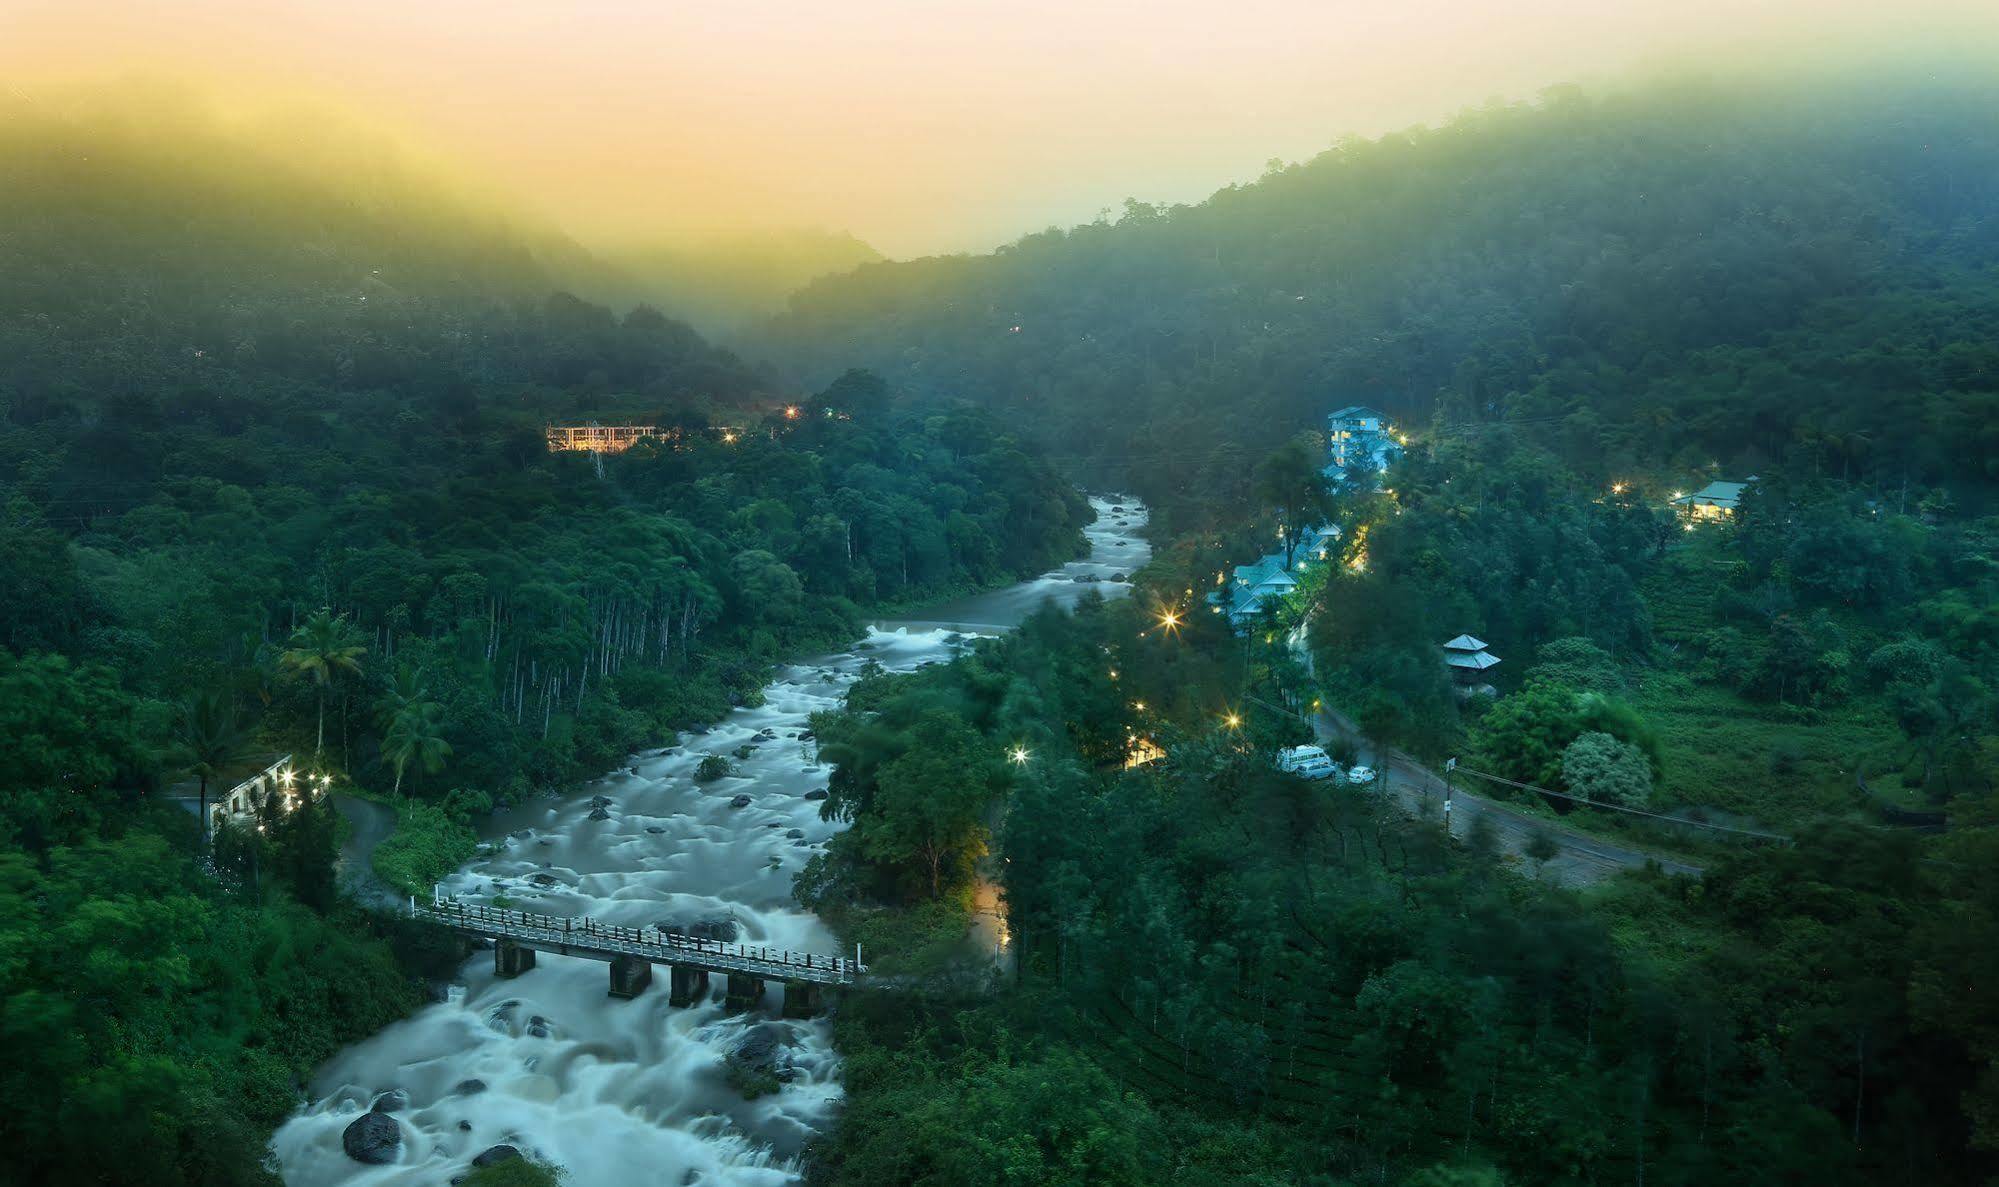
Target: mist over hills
pixel 1695 273
pixel 719 284
pixel 146 240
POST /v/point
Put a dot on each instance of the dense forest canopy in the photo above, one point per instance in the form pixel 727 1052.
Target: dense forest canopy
pixel 1677 275
pixel 273 479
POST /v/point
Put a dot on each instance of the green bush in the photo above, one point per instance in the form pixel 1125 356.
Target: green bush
pixel 428 844
pixel 712 768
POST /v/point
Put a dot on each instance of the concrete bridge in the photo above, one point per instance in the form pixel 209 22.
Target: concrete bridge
pixel 632 951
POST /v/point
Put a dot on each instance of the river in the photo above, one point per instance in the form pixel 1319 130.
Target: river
pixel 630 1092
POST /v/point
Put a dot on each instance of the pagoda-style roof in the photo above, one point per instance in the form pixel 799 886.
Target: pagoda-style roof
pixel 1466 643
pixel 1474 662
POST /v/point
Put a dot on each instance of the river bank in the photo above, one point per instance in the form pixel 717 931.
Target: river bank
pixel 636 1090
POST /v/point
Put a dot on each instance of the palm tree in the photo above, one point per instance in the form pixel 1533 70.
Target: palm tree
pixel 323 648
pixel 216 735
pixel 417 736
pixel 405 689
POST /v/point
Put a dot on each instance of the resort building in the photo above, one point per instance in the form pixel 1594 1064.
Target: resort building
pixel 596 438
pixel 1358 432
pixel 1714 503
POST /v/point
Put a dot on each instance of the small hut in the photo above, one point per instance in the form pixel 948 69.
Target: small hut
pixel 1468 661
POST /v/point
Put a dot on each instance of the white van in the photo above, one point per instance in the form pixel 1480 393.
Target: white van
pixel 1306 762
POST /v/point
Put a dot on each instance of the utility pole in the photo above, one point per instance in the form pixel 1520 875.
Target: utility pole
pixel 1450 764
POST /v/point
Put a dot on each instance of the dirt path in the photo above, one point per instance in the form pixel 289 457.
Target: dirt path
pixel 1583 860
pixel 372 823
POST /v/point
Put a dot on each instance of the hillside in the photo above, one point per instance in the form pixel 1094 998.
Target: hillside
pixel 1687 274
pixel 721 284
pixel 150 247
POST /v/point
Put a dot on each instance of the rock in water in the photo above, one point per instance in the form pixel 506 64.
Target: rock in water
pixel 741 801
pixel 468 1087
pixel 722 928
pixel 817 793
pixel 599 814
pixel 373 1138
pixel 394 1100
pixel 493 1154
pixel 759 1063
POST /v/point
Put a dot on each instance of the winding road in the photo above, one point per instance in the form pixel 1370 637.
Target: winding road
pixel 371 825
pixel 1581 860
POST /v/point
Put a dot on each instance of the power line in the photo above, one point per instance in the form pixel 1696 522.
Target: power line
pixel 1561 795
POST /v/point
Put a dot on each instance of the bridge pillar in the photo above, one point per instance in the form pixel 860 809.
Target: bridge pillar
pixel 687 985
pixel 801 999
pixel 745 992
pixel 510 959
pixel 630 975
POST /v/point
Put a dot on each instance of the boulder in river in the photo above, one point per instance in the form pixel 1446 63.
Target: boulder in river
pixel 817 793
pixel 393 1100
pixel 538 1027
pixel 600 801
pixel 759 1064
pixel 806 735
pixel 721 928
pixel 464 1127
pixel 493 1154
pixel 542 879
pixel 599 814
pixel 373 1138
pixel 794 833
pixel 655 829
pixel 741 801
pixel 468 1087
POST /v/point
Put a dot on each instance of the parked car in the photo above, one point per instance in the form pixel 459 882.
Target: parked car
pixel 1306 762
pixel 1360 776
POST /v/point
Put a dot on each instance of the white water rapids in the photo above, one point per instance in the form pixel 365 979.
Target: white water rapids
pixel 630 1092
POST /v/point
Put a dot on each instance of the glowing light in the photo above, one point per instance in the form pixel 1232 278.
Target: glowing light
pixel 1233 720
pixel 728 436
pixel 791 412
pixel 1169 620
pixel 1138 705
pixel 1618 488
pixel 1020 755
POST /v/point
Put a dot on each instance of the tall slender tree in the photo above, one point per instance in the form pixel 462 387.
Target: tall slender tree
pixel 324 648
pixel 417 736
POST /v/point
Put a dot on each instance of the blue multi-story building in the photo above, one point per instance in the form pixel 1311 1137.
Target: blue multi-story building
pixel 1357 432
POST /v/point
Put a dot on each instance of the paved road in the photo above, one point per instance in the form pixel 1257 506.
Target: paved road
pixel 372 823
pixel 1582 861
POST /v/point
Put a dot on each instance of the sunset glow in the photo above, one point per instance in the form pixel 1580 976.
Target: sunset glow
pixel 918 126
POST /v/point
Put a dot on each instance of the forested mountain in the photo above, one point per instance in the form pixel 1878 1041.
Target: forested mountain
pixel 1679 274
pixel 273 480
pixel 720 283
pixel 165 251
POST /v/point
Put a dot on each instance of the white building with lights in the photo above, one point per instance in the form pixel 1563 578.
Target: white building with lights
pixel 1356 433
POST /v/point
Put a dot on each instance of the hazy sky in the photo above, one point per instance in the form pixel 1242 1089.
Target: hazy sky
pixel 920 125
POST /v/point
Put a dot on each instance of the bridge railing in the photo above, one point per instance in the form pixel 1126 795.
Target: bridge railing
pixel 585 932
